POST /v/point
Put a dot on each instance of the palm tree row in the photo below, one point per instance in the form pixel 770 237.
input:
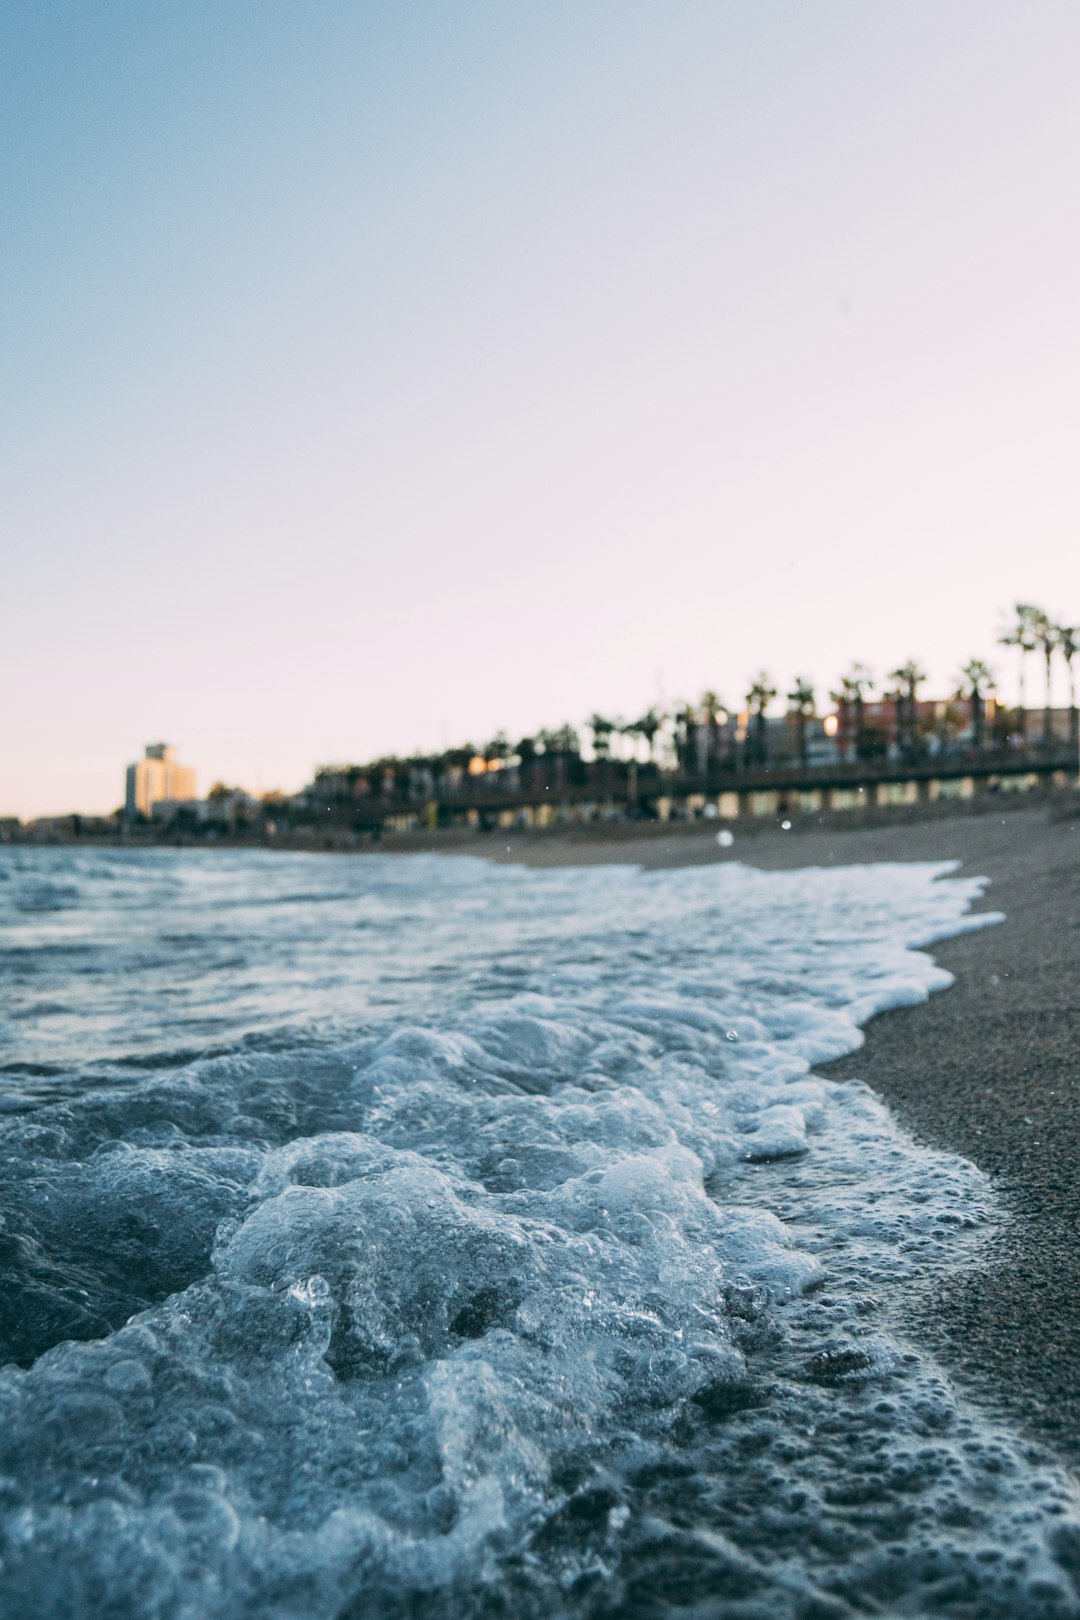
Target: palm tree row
pixel 602 731
pixel 699 734
pixel 1033 631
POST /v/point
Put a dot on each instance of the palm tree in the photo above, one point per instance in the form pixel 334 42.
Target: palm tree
pixel 1068 645
pixel 686 725
pixel 629 728
pixel 710 711
pixel 758 699
pixel 801 701
pixel 1044 632
pixel 647 727
pixel 498 750
pixel 908 678
pixel 526 757
pixel 601 734
pixel 979 678
pixel 853 689
pixel 561 746
pixel 563 740
pixel 1022 637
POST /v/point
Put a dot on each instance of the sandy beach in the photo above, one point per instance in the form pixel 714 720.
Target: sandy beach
pixel 989 1069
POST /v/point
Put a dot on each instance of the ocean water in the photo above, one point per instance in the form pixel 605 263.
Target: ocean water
pixel 421 1237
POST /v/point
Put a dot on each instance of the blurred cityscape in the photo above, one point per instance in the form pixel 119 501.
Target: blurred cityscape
pixel 869 743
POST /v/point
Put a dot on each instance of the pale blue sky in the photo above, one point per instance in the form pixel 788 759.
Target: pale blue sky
pixel 378 376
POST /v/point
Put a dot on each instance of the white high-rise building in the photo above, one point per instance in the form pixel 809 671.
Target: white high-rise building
pixel 156 778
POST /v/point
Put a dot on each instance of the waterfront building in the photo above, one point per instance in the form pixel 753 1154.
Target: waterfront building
pixel 156 779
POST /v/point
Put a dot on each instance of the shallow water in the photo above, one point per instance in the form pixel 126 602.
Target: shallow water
pixel 414 1236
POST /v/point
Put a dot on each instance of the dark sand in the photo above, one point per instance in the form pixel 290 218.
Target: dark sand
pixel 991 1069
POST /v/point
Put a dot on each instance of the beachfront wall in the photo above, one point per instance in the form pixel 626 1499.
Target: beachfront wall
pixel 728 793
pixel 589 792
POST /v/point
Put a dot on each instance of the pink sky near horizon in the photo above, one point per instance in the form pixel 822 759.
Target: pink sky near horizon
pixel 387 383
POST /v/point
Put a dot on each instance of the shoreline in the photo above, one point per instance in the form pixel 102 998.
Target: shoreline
pixel 673 842
pixel 989 1069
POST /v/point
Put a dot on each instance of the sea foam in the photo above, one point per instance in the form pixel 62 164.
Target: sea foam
pixel 431 1238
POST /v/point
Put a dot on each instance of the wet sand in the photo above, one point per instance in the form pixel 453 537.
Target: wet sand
pixel 990 1069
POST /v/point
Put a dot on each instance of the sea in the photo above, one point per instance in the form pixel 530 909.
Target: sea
pixel 418 1236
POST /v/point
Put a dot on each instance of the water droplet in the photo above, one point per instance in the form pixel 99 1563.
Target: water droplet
pixel 786 826
pixel 725 838
pixel 732 1035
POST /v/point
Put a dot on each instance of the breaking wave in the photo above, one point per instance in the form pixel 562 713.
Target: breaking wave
pixel 418 1237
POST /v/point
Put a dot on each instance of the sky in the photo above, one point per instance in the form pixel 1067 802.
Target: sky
pixel 380 376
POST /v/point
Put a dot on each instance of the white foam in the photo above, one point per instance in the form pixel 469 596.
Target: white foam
pixel 533 1269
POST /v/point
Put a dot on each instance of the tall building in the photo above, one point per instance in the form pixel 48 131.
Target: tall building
pixel 156 778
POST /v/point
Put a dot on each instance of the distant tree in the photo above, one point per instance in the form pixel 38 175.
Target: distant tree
pixel 859 682
pixel 601 729
pixel 1021 635
pixel 685 721
pixel 498 750
pixel 758 699
pixel 563 740
pixel 895 696
pixel 711 708
pixel 525 756
pixel 909 677
pixel 454 766
pixel 1044 632
pixel 646 727
pixel 978 679
pixel 562 747
pixel 801 707
pixel 1068 641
